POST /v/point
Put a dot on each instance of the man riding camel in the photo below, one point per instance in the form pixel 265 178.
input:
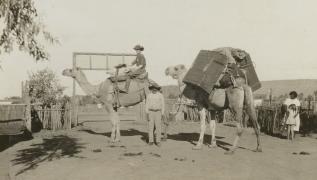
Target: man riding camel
pixel 137 66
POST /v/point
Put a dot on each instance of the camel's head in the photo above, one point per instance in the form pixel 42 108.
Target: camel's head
pixel 175 71
pixel 71 73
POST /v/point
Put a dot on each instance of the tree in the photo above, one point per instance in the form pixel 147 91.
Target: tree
pixel 44 87
pixel 20 26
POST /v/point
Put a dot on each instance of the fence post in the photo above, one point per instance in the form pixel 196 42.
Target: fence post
pixel 27 101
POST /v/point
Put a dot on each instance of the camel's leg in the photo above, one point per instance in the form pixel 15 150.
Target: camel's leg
pixel 252 115
pixel 212 125
pixel 202 116
pixel 236 100
pixel 114 119
pixel 236 140
pixel 115 129
pixel 256 128
pixel 106 97
pixel 165 128
pixel 117 139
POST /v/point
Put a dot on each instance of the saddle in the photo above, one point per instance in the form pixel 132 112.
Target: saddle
pixel 124 77
pixel 229 76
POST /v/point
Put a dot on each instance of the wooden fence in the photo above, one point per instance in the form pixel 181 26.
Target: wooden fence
pixel 189 110
pixel 271 120
pixel 54 118
pixel 13 119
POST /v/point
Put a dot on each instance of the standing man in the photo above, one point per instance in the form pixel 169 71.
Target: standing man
pixel 137 66
pixel 154 109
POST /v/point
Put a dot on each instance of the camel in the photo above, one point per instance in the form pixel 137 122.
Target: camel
pixel 177 114
pixel 104 93
pixel 237 98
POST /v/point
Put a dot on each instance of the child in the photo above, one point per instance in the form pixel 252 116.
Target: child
pixel 137 66
pixel 293 100
pixel 154 109
pixel 291 120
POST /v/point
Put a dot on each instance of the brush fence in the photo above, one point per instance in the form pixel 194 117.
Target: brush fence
pixel 55 117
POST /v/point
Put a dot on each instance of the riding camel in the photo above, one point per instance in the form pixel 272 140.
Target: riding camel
pixel 105 93
pixel 238 98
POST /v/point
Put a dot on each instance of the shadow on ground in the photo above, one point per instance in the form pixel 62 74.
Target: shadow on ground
pixel 7 141
pixel 192 137
pixel 128 132
pixel 189 137
pixel 51 149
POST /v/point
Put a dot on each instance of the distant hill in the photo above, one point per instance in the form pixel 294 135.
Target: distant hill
pixel 279 87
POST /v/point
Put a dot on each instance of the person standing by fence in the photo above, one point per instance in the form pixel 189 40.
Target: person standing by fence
pixel 292 105
pixel 155 108
pixel 290 120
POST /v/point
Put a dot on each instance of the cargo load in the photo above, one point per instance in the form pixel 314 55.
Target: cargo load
pixel 210 64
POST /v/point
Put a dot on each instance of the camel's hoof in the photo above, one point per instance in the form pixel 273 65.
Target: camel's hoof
pixel 213 145
pixel 163 139
pixel 229 152
pixel 198 147
pixel 258 150
pixel 116 141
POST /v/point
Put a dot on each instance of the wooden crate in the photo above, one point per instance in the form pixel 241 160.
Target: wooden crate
pixel 206 69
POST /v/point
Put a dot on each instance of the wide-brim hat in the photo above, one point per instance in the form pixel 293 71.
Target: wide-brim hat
pixel 138 47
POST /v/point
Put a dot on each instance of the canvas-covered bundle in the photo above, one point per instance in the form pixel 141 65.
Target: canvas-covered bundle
pixel 206 70
pixel 209 65
pixel 251 76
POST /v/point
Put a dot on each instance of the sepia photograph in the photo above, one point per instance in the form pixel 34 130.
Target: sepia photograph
pixel 158 90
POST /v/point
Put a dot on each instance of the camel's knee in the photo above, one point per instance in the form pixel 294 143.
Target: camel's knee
pixel 239 131
pixel 212 123
pixel 203 124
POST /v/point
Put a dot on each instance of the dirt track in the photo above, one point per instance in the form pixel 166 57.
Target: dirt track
pixel 84 153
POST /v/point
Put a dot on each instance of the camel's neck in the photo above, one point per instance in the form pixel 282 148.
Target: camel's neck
pixel 86 86
pixel 181 84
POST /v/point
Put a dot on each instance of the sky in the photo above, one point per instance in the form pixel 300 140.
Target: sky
pixel 280 36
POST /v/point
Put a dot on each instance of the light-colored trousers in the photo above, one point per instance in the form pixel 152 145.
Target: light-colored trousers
pixel 155 119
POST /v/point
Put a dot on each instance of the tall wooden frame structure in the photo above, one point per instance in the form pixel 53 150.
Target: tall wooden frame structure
pixel 123 58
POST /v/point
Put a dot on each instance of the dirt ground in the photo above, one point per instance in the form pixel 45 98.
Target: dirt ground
pixel 85 154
